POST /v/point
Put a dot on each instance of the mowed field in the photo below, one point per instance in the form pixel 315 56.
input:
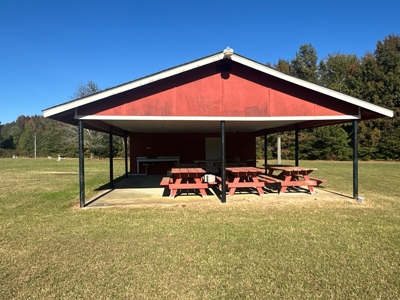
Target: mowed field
pixel 51 249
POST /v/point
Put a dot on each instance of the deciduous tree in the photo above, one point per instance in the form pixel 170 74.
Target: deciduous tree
pixel 379 83
pixel 338 71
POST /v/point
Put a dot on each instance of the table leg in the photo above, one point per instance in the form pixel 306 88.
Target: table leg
pixel 202 191
pixel 174 191
pixel 232 190
pixel 259 189
pixel 283 189
pixel 310 187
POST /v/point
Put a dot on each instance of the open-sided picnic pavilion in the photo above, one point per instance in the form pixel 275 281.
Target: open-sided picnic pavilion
pixel 209 109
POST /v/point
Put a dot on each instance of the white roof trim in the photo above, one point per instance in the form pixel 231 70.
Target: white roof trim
pixel 221 118
pixel 207 60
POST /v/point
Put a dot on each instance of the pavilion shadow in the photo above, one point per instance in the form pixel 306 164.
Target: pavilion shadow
pixel 132 182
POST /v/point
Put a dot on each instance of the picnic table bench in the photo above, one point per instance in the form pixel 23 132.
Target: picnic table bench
pixel 185 178
pixel 166 181
pixel 318 180
pixel 290 175
pixel 244 177
pixel 268 179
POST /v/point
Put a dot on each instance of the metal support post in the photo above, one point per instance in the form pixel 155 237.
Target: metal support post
pixel 278 149
pixel 223 162
pixel 81 164
pixel 296 146
pixel 126 153
pixel 265 149
pixel 355 159
pixel 110 143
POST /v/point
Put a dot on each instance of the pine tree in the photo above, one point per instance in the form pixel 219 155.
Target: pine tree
pixel 304 66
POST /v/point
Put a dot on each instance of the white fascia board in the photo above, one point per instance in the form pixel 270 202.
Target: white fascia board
pixel 221 118
pixel 323 90
pixel 133 84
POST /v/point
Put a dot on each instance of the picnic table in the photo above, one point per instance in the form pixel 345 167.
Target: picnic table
pixel 187 178
pixel 292 176
pixel 244 177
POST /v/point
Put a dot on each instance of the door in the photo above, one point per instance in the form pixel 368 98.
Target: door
pixel 213 148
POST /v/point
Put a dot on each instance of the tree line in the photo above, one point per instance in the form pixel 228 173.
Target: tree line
pixel 53 138
pixel 374 77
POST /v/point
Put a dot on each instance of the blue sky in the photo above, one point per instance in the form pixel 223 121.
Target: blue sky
pixel 48 48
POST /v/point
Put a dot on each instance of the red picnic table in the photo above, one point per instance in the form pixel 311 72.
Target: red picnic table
pixel 244 177
pixel 292 176
pixel 187 178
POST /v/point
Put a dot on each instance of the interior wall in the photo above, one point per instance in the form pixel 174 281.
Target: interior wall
pixel 189 147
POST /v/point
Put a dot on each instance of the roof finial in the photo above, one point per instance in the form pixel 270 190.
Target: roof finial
pixel 228 52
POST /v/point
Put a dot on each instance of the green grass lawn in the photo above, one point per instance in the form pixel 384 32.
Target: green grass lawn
pixel 50 249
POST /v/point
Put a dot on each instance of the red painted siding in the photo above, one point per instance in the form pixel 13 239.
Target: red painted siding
pixel 243 97
pixel 200 98
pixel 235 96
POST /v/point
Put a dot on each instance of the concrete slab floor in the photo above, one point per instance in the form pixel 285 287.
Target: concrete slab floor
pixel 143 190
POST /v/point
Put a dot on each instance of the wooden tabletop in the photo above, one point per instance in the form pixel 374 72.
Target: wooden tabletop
pixel 245 169
pixel 288 168
pixel 188 171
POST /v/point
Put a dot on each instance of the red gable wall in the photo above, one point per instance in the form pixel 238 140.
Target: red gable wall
pixel 203 92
